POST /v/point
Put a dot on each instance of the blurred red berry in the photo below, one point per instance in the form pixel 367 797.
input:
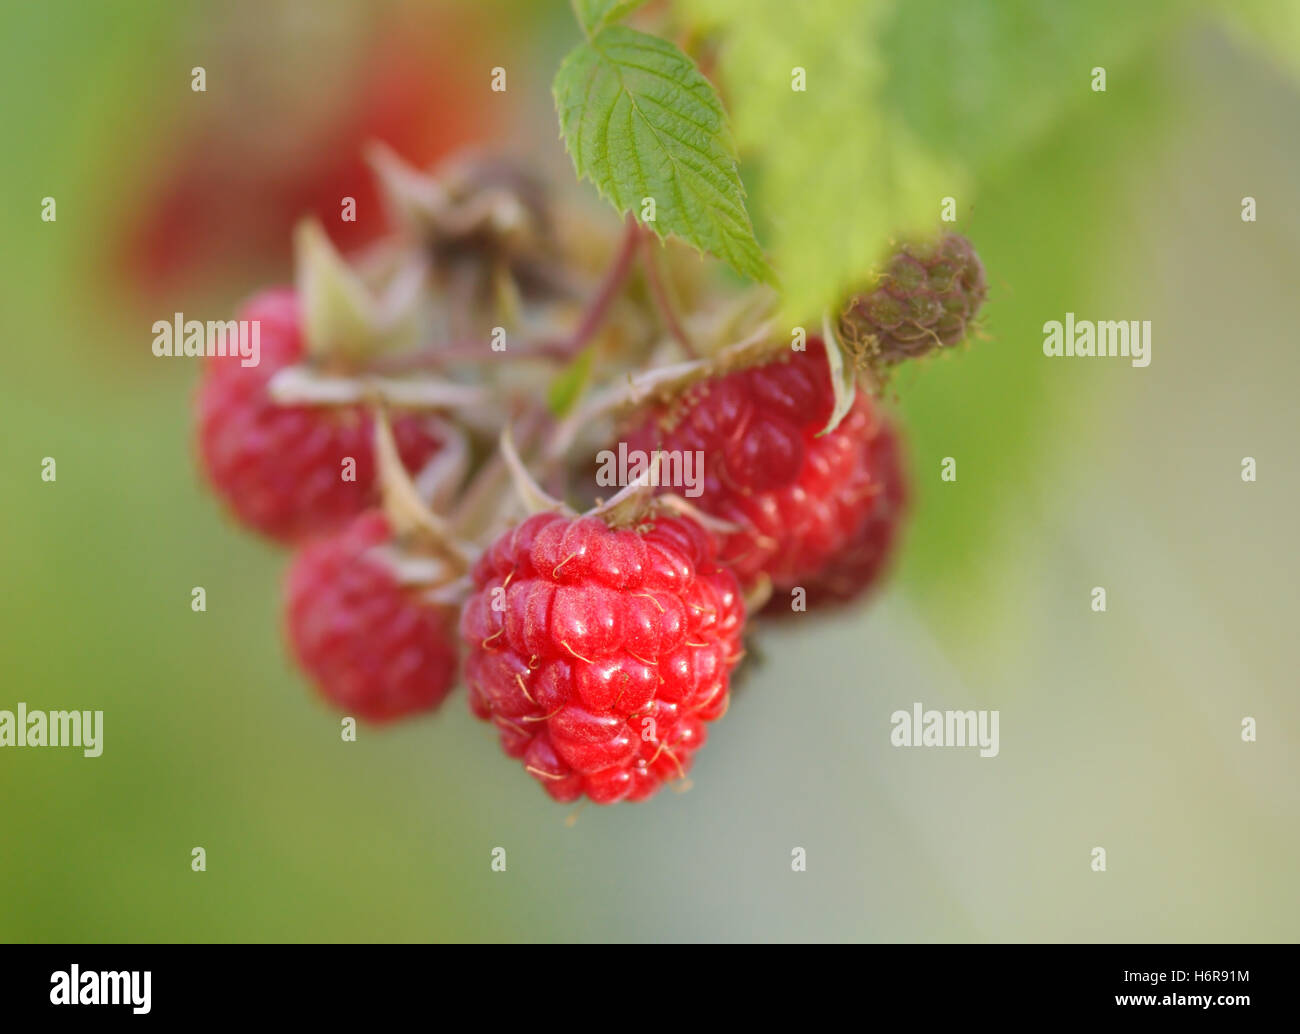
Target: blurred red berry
pixel 373 647
pixel 801 499
pixel 858 566
pixel 281 469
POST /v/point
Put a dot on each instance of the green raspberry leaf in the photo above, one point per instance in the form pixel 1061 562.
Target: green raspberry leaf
pixel 641 122
pixel 596 14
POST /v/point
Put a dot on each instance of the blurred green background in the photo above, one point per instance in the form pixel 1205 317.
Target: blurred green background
pixel 1119 730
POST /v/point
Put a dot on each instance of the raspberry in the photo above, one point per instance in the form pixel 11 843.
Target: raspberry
pixel 280 468
pixel 609 652
pixel 371 645
pixel 856 567
pixel 800 499
pixel 926 299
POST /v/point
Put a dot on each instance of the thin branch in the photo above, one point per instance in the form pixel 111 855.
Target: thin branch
pixel 461 352
pixel 615 278
pixel 659 292
pixel 750 350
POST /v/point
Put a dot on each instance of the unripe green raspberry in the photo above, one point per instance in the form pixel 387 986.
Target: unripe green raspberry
pixel 924 300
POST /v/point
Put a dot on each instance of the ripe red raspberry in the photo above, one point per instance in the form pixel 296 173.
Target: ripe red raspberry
pixel 926 299
pixel 372 646
pixel 606 652
pixel 857 567
pixel 280 468
pixel 800 499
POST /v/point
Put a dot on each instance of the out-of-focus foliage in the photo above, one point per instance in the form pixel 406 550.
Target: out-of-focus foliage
pixel 908 103
pixel 1272 26
pixel 835 172
pixel 978 81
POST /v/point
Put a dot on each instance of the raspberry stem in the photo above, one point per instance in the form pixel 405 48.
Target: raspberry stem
pixel 659 292
pixel 462 352
pixel 615 278
pixel 752 349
